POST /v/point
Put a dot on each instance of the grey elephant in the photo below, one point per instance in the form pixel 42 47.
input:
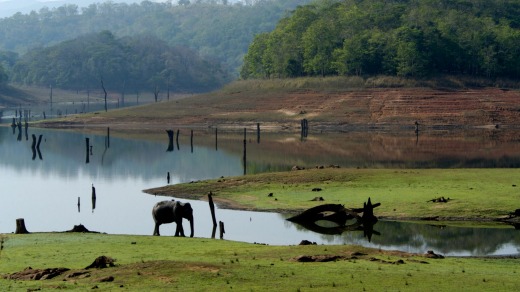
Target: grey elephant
pixel 172 211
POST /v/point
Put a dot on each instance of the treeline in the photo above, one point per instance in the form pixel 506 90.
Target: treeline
pixel 124 64
pixel 409 38
pixel 214 29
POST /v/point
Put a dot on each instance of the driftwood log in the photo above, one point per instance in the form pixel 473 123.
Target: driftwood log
pixel 346 219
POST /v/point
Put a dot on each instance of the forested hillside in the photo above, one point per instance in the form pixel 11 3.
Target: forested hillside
pixel 129 63
pixel 410 38
pixel 214 29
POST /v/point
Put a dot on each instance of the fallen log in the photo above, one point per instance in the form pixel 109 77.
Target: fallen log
pixel 331 212
pixel 364 218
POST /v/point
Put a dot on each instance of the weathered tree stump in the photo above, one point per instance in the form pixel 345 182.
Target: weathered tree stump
pixel 222 231
pixel 20 226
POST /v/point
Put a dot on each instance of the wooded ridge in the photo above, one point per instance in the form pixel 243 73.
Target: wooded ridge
pixel 408 38
pixel 214 29
pixel 126 64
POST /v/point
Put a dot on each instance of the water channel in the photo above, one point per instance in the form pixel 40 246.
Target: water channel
pixel 45 188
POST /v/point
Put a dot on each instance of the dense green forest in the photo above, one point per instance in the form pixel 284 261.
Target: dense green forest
pixel 409 38
pixel 214 29
pixel 129 63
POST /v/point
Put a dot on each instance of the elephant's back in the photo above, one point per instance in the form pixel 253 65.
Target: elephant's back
pixel 163 211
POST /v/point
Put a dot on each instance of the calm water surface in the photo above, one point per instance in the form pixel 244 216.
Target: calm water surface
pixel 44 189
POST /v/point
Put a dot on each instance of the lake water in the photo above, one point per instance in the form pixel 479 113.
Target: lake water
pixel 44 188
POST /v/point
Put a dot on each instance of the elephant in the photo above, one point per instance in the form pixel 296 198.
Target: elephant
pixel 172 211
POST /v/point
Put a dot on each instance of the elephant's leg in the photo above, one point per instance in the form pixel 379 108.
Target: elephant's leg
pixel 179 231
pixel 156 230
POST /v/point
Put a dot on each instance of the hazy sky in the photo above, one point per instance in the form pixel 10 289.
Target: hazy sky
pixel 10 7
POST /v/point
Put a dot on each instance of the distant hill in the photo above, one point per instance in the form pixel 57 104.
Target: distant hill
pixel 128 64
pixel 212 28
pixel 10 7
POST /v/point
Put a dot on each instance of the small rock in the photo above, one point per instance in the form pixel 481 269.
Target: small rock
pixel 106 279
pixel 432 255
pixel 101 262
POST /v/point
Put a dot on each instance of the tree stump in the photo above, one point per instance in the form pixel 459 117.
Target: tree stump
pixel 20 226
pixel 222 230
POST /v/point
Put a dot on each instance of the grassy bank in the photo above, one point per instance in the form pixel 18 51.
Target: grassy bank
pixel 194 264
pixel 475 194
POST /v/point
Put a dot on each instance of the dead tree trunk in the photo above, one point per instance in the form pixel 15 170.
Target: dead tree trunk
pixel 87 144
pixel 258 133
pixel 20 226
pixel 104 90
pixel 156 93
pixel 191 141
pixel 177 139
pixel 212 209
pixel 170 140
pixel 244 158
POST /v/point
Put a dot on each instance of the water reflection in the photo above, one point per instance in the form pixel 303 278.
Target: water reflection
pixel 48 193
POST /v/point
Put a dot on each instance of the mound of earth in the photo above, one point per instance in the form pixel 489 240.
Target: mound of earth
pixel 37 274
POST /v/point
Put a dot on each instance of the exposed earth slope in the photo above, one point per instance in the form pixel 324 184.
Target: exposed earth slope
pixel 282 108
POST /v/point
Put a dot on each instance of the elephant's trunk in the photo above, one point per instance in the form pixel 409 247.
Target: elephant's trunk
pixel 191 226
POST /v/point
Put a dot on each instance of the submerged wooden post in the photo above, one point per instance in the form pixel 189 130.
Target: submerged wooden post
pixel 304 128
pixel 257 132
pixel 93 198
pixel 245 152
pixel 216 139
pixel 87 141
pixel 191 141
pixel 20 226
pixel 170 140
pixel 108 137
pixel 177 139
pixel 26 126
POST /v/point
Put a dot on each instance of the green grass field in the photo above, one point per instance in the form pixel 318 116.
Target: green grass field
pixel 194 264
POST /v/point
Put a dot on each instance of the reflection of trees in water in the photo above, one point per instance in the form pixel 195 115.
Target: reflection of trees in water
pixel 435 149
pixel 65 154
pixel 420 237
pixel 478 241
